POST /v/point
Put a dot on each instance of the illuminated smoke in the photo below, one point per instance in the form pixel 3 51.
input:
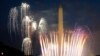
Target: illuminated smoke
pixel 71 46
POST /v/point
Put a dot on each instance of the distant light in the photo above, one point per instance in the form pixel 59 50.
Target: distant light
pixel 2 53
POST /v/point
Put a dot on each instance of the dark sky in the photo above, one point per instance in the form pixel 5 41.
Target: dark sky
pixel 75 12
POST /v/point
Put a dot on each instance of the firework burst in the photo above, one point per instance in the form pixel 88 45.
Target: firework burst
pixel 72 45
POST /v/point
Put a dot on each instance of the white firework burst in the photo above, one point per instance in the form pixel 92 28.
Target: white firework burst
pixel 27 46
pixel 42 25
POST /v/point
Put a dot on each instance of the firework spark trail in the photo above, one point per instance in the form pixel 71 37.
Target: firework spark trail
pixel 25 26
pixel 24 10
pixel 71 46
pixel 13 22
pixel 24 18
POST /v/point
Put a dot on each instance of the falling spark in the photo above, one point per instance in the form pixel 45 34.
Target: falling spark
pixel 13 22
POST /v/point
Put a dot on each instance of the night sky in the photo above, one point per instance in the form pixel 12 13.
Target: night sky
pixel 75 12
